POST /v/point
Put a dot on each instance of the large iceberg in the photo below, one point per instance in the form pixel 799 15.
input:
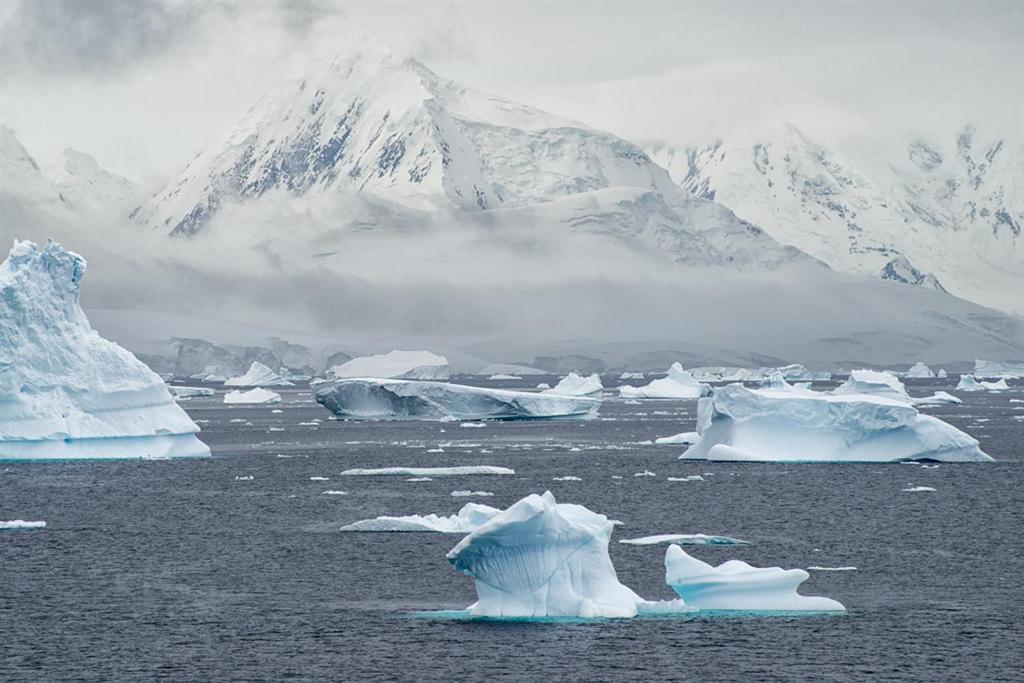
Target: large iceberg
pixel 389 399
pixel 990 369
pixel 65 391
pixel 258 375
pixel 920 371
pixel 889 386
pixel 969 383
pixel 799 425
pixel 394 365
pixel 575 385
pixel 735 585
pixel 471 516
pixel 678 384
pixel 540 558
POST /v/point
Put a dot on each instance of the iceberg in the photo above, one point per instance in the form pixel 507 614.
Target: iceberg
pixel 969 383
pixel 541 558
pixel 394 365
pixel 575 385
pixel 182 393
pixel 920 371
pixel 990 369
pixel 19 524
pixel 685 439
pixel 503 377
pixel 684 539
pixel 889 386
pixel 429 471
pixel 471 494
pixel 631 375
pixel 389 399
pixel 942 374
pixel 789 425
pixel 918 489
pixel 470 517
pixel 258 375
pixel 257 395
pixel 678 384
pixel 735 585
pixel 65 391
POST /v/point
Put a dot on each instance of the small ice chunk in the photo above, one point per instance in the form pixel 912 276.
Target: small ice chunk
pixel 319 478
pixel 685 439
pixel 257 395
pixel 430 471
pixel 16 524
pixel 690 477
pixel 831 569
pixel 244 477
pixel 471 425
pixel 567 477
pixel 917 489
pixel 471 516
pixel 471 494
pixel 645 473
pixel 334 493
pixel 419 479
pixel 684 539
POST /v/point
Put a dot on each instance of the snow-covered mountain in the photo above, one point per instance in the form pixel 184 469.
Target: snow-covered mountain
pixel 83 183
pixel 945 216
pixel 25 191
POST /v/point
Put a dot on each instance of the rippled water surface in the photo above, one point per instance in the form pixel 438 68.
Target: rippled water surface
pixel 190 570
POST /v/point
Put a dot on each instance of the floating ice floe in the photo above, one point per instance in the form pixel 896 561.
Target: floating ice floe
pixel 735 585
pixel 543 385
pixel 20 524
pixel 791 425
pixel 691 477
pixel 258 375
pixel 257 395
pixel 678 384
pixel 920 371
pixel 631 375
pixel 683 539
pixel 334 493
pixel 684 439
pixel 184 393
pixel 918 489
pixel 814 568
pixel 540 558
pixel 567 477
pixel 575 385
pixel 385 399
pixel 65 391
pixel 470 517
pixel 645 473
pixel 471 494
pixel 471 425
pixel 989 369
pixel 503 377
pixel 969 383
pixel 887 385
pixel 429 471
pixel 319 478
pixel 394 365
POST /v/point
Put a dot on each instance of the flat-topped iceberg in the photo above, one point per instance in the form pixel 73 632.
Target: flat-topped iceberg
pixel 257 395
pixel 920 371
pixel 683 539
pixel 471 516
pixel 678 384
pixel 735 585
pixel 888 385
pixel 258 375
pixel 789 425
pixel 990 369
pixel 457 471
pixel 540 558
pixel 575 385
pixel 969 383
pixel 394 365
pixel 65 391
pixel 390 399
pixel 183 393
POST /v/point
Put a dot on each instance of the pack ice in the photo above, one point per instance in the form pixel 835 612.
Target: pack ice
pixel 258 375
pixel 541 558
pixel 678 384
pixel 791 424
pixel 394 365
pixel 471 516
pixel 969 383
pixel 390 399
pixel 66 392
pixel 735 585
pixel 575 385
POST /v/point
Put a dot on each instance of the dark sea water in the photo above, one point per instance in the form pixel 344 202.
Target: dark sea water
pixel 178 570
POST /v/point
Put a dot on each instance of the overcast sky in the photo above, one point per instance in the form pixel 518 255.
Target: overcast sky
pixel 144 86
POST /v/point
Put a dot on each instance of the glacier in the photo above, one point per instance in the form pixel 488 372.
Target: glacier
pixel 65 391
pixel 468 518
pixel 257 395
pixel 799 425
pixel 541 558
pixel 394 365
pixel 969 383
pixel 575 385
pixel 736 585
pixel 388 399
pixel 258 375
pixel 678 384
pixel 988 369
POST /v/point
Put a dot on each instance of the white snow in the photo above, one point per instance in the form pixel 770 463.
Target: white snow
pixel 684 539
pixel 678 384
pixel 736 585
pixel 920 371
pixel 471 494
pixel 737 423
pixel 471 516
pixel 15 524
pixel 430 471
pixel 394 365
pixel 387 399
pixel 969 383
pixel 258 375
pixel 65 391
pixel 684 438
pixel 257 395
pixel 575 385
pixel 540 558
pixel 182 393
